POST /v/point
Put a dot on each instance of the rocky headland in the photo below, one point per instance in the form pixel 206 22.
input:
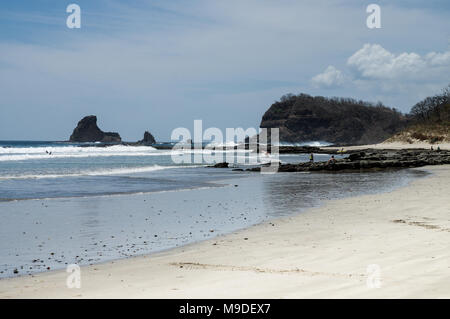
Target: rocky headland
pixel 343 121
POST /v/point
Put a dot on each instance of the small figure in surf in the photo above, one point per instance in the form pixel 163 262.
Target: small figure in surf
pixel 311 158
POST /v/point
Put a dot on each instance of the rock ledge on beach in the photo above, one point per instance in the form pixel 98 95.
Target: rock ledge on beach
pixel 220 165
pixel 372 159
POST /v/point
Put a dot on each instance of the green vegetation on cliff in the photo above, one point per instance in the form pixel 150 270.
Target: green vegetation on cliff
pixel 302 118
pixel 430 120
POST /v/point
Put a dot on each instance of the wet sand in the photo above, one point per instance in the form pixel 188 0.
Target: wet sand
pixel 49 234
pixel 331 251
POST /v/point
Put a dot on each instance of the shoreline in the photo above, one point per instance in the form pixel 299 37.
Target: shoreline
pixel 222 183
pixel 194 222
pixel 280 261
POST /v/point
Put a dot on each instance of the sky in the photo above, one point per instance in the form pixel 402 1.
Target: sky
pixel 158 65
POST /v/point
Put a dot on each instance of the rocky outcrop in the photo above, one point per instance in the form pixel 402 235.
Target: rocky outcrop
pixel 88 131
pixel 305 118
pixel 220 165
pixel 372 159
pixel 148 139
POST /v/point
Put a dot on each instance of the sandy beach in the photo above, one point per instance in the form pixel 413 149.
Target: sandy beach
pixel 338 250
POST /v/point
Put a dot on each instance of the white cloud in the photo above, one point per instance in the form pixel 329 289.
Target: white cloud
pixel 331 77
pixel 373 67
pixel 398 79
pixel 438 59
pixel 373 62
pixel 150 61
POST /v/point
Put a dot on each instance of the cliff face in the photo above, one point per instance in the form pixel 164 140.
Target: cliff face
pixel 305 118
pixel 88 131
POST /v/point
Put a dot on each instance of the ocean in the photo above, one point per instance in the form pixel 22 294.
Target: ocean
pixel 83 203
pixel 38 170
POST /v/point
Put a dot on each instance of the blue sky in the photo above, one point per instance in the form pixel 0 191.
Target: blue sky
pixel 158 65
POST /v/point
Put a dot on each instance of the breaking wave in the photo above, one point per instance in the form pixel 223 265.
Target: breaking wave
pixel 100 172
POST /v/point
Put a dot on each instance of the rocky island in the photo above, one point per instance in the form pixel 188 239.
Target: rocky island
pixel 88 131
pixel 147 140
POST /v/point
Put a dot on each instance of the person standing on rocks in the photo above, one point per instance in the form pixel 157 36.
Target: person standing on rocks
pixel 332 160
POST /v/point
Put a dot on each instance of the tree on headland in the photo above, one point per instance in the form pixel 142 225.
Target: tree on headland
pixel 433 109
pixel 342 120
pixel 430 120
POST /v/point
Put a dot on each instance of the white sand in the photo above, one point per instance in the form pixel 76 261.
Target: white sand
pixel 323 252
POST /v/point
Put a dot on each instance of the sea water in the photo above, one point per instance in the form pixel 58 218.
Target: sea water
pixel 65 203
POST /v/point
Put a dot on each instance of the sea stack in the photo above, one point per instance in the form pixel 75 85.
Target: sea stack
pixel 88 131
pixel 148 139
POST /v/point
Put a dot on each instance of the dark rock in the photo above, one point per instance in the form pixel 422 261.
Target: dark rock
pixel 148 139
pixel 88 131
pixel 257 148
pixel 376 159
pixel 304 149
pixel 220 165
pixel 355 156
pixel 341 121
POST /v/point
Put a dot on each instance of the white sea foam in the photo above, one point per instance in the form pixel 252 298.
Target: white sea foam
pixel 76 149
pixel 24 157
pixel 40 153
pixel 221 144
pixel 311 143
pixel 100 172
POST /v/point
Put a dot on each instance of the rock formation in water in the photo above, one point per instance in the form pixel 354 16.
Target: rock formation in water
pixel 304 118
pixel 88 131
pixel 148 139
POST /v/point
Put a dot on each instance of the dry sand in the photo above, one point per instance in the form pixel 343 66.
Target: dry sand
pixel 324 252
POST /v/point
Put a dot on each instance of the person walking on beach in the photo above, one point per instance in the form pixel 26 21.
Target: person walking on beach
pixel 311 158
